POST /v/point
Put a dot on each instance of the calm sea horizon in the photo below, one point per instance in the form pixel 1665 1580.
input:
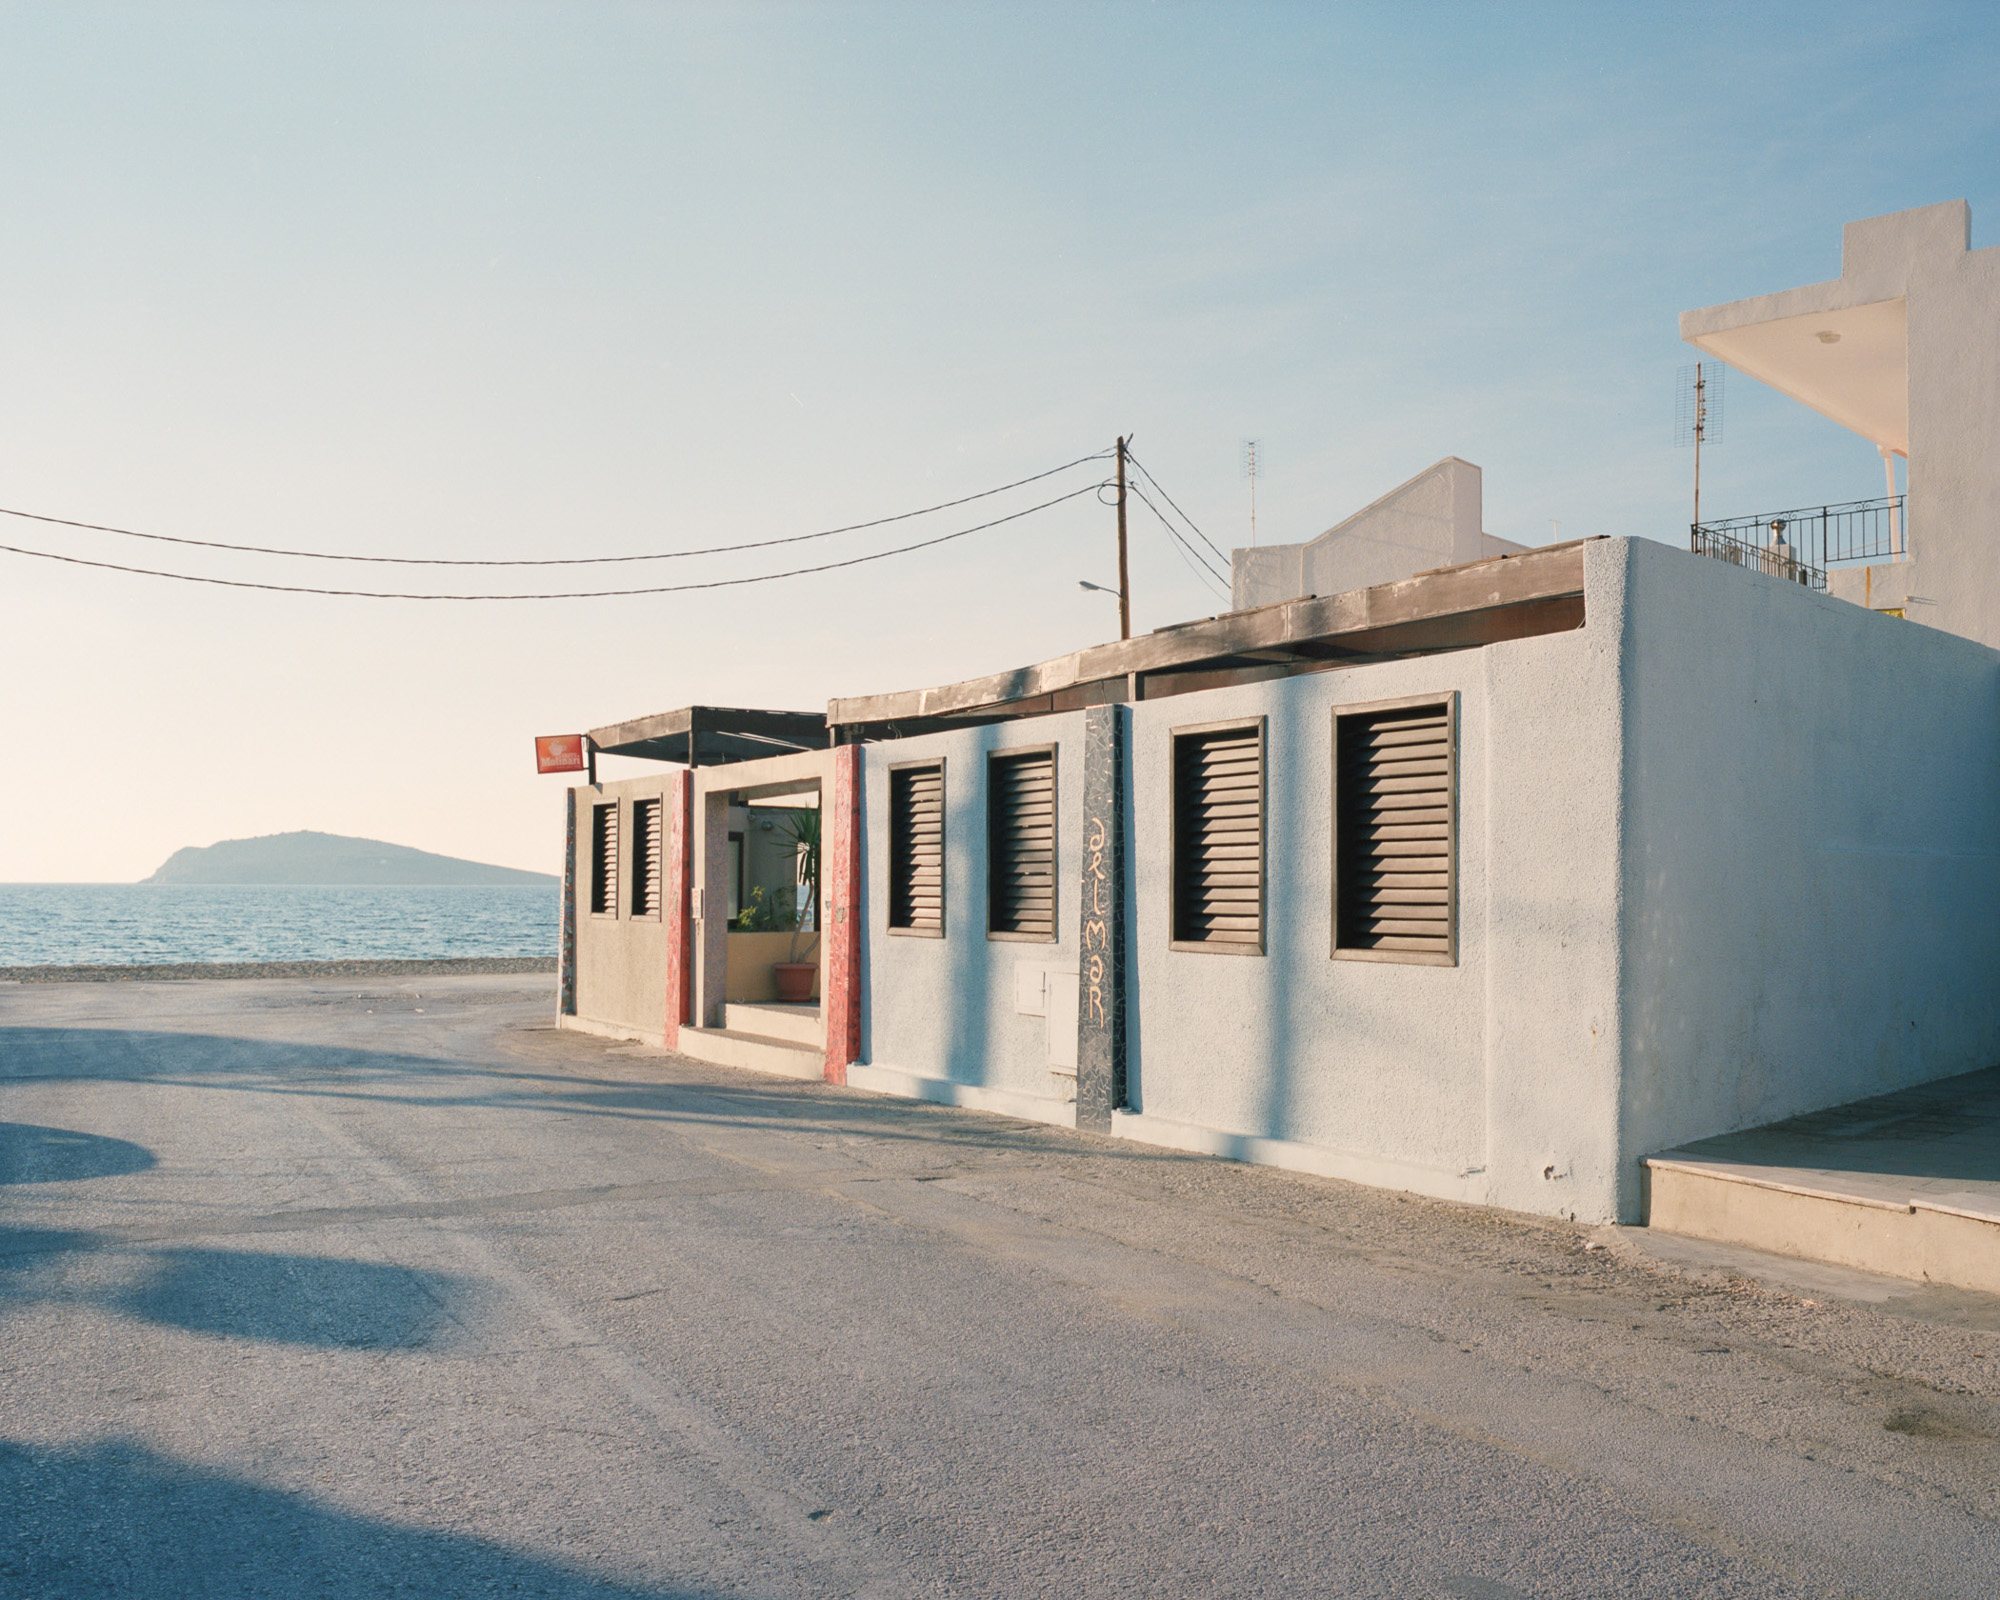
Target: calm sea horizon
pixel 154 924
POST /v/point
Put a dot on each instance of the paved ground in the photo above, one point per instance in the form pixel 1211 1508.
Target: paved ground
pixel 361 1288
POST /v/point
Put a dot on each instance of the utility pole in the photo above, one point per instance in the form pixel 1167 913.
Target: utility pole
pixel 1124 572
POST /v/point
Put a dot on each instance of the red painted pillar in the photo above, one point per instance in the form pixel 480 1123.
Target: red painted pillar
pixel 840 981
pixel 680 886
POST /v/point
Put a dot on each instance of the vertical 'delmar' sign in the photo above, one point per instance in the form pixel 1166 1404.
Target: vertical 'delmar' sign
pixel 566 951
pixel 1100 997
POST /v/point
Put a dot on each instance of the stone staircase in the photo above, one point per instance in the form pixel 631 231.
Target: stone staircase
pixel 1906 1184
pixel 785 1039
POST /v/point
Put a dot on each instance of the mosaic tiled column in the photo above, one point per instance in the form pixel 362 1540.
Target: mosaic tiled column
pixel 680 906
pixel 1100 998
pixel 566 945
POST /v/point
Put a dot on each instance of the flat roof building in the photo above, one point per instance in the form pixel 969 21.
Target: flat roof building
pixel 1486 882
pixel 1903 349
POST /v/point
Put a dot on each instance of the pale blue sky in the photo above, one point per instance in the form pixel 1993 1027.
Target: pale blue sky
pixel 488 280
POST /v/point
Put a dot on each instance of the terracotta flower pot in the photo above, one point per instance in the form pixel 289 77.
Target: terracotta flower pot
pixel 795 980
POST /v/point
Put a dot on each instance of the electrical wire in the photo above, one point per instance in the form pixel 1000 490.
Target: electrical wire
pixel 1155 482
pixel 1196 562
pixel 1188 552
pixel 583 594
pixel 555 561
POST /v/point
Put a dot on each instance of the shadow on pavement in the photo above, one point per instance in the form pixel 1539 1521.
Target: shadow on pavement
pixel 335 1072
pixel 116 1519
pixel 31 1154
pixel 293 1299
pixel 322 1301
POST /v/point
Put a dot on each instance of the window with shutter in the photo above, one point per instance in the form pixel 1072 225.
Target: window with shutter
pixel 1395 832
pixel 1021 844
pixel 1218 834
pixel 648 855
pixel 916 849
pixel 604 860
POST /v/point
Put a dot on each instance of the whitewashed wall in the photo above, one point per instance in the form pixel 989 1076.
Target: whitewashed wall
pixel 621 960
pixel 937 1013
pixel 1494 1080
pixel 1729 852
pixel 1812 862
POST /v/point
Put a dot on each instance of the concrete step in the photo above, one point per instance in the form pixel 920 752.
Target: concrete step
pixel 1925 1230
pixel 729 1048
pixel 798 1024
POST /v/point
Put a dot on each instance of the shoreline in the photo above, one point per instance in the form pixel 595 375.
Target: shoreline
pixel 186 971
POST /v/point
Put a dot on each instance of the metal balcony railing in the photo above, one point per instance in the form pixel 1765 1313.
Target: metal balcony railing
pixel 1801 545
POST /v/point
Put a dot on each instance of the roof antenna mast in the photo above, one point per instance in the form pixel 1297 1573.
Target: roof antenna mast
pixel 1253 469
pixel 1698 416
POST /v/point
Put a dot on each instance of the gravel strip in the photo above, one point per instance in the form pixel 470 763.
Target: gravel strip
pixel 459 967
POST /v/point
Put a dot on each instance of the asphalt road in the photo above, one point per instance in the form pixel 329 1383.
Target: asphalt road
pixel 357 1289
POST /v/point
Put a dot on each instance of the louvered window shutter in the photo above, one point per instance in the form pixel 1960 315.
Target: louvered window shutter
pixel 1395 805
pixel 1218 890
pixel 648 854
pixel 1021 844
pixel 604 860
pixel 916 849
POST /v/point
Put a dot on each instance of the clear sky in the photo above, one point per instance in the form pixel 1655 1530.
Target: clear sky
pixel 498 281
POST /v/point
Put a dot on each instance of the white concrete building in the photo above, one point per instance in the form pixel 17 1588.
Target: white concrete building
pixel 1903 348
pixel 1433 520
pixel 1723 849
pixel 1487 879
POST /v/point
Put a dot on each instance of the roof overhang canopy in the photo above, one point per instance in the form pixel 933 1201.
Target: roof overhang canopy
pixel 1454 608
pixel 712 736
pixel 1849 363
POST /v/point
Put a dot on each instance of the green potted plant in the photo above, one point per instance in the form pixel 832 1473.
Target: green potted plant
pixel 795 977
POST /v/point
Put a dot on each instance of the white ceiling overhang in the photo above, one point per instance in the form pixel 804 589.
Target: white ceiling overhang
pixel 1850 364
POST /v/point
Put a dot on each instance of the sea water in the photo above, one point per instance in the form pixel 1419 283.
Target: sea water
pixel 151 924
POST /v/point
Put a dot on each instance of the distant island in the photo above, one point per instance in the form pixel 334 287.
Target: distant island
pixel 328 858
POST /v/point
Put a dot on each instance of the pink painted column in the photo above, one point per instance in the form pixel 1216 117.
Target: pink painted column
pixel 840 982
pixel 680 924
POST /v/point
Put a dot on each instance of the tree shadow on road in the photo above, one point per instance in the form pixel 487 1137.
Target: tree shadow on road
pixel 33 1154
pixel 327 1302
pixel 115 1519
pixel 296 1299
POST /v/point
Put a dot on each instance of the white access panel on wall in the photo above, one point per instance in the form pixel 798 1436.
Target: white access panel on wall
pixel 1061 989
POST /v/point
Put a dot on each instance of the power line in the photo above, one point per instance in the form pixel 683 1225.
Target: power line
pixel 1180 539
pixel 583 594
pixel 558 561
pixel 1195 561
pixel 1155 482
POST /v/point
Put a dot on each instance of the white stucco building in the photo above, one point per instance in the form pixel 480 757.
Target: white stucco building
pixel 1434 520
pixel 1486 877
pixel 1724 849
pixel 1903 348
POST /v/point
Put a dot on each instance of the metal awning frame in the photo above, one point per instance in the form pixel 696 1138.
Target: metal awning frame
pixel 712 736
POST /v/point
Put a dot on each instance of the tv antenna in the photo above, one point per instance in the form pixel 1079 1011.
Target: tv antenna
pixel 1698 416
pixel 1253 469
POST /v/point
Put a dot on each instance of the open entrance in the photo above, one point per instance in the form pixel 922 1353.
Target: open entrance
pixel 749 914
pixel 772 869
pixel 763 934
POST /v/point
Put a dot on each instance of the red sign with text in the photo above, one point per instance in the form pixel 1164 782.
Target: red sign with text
pixel 559 752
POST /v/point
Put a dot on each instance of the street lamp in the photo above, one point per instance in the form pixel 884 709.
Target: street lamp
pixel 1099 588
